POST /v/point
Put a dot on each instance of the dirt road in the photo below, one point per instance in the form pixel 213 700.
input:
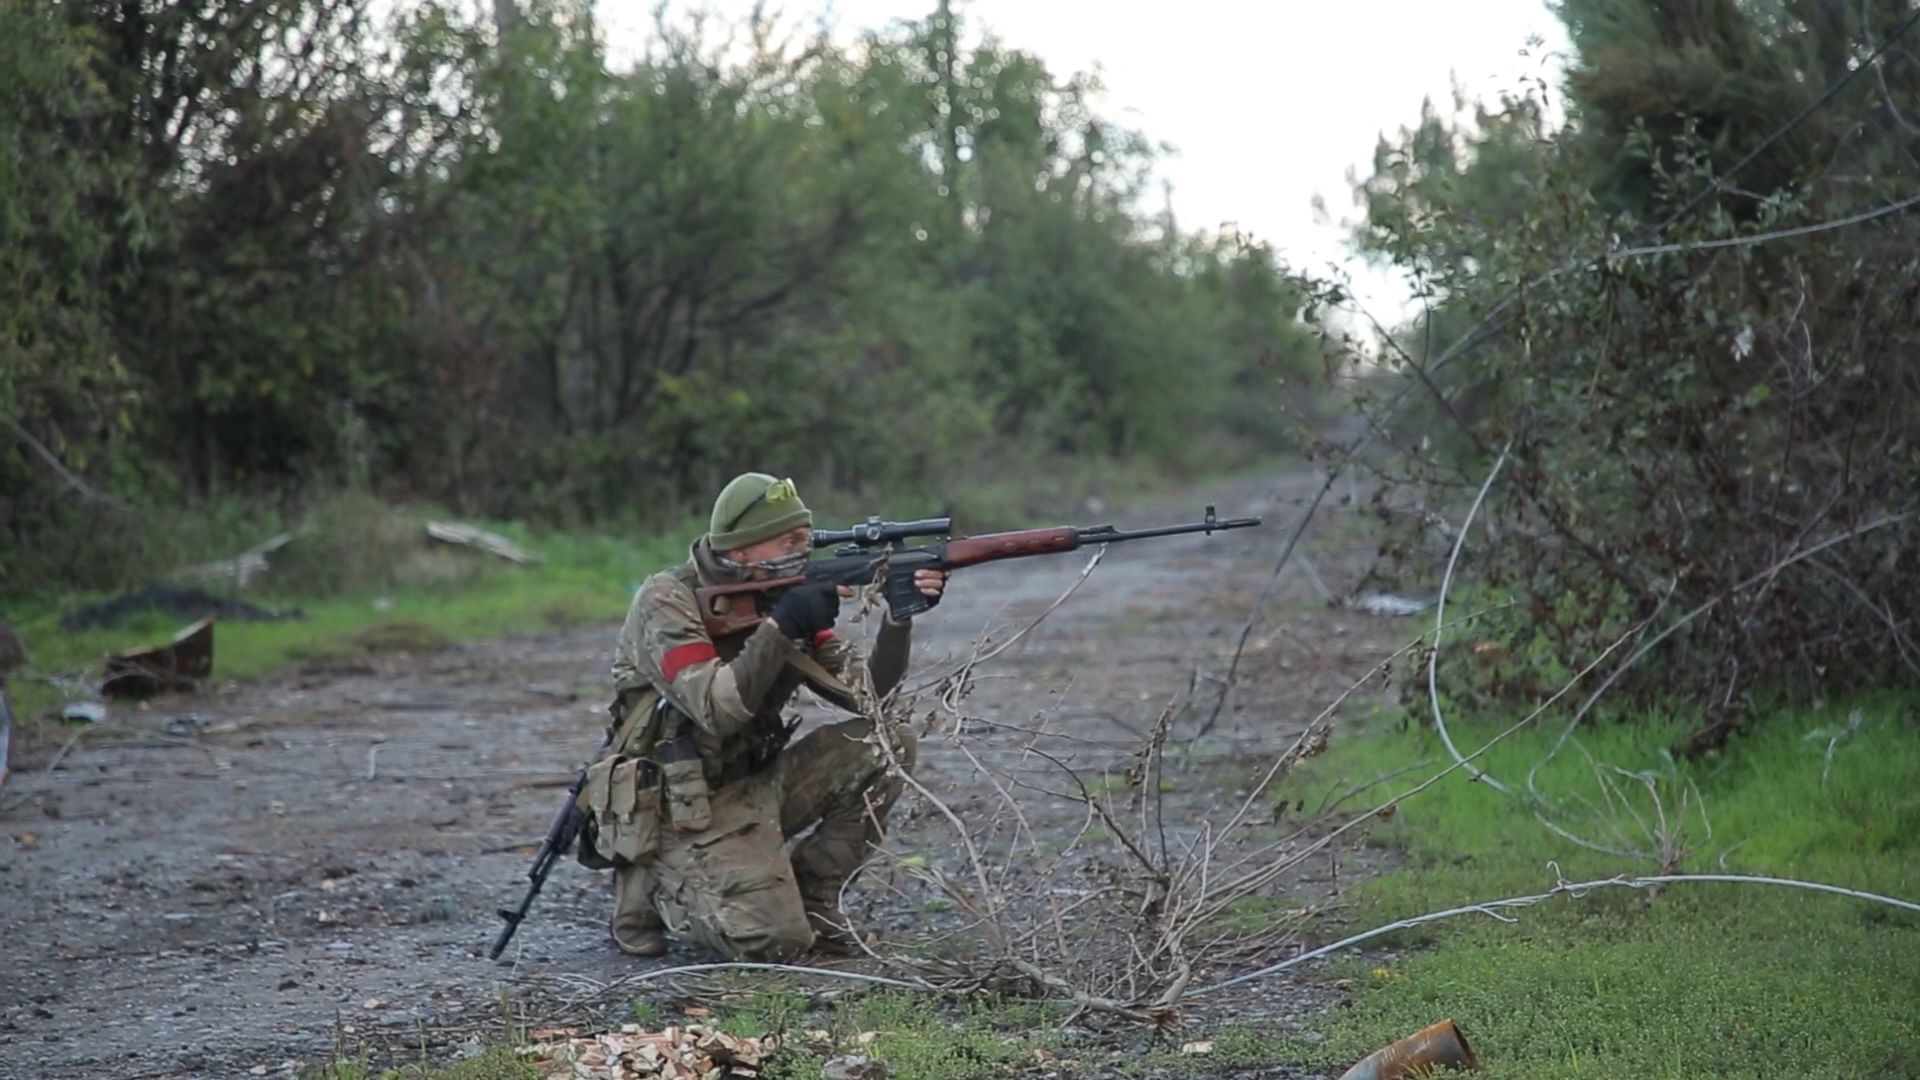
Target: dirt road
pixel 235 883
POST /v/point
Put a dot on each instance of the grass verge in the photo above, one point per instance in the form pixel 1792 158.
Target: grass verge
pixel 364 578
pixel 1700 980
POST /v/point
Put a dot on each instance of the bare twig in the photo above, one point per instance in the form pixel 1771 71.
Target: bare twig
pixel 1885 614
pixel 1080 997
pixel 1316 727
pixel 1225 895
pixel 61 754
pixel 1707 605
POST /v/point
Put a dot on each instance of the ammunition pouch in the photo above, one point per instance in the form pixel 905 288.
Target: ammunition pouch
pixel 669 774
pixel 621 801
pixel 621 798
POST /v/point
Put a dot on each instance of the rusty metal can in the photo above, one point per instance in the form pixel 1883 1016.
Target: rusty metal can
pixel 1438 1046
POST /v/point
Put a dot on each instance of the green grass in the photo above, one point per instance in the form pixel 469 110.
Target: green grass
pixel 371 584
pixel 1701 980
pixel 916 1036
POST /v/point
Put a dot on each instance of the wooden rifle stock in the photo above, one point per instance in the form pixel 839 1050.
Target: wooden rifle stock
pixel 734 609
pixel 973 550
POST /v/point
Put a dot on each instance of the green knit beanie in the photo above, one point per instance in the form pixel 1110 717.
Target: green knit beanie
pixel 755 507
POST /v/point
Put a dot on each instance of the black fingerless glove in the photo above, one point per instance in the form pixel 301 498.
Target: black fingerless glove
pixel 805 610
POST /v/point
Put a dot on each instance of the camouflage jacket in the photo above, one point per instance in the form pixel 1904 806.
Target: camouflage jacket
pixel 730 689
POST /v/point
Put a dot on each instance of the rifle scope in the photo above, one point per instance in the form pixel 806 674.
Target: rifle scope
pixel 874 532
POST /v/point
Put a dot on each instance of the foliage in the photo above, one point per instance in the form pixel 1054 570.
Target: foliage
pixel 1809 985
pixel 302 245
pixel 1687 427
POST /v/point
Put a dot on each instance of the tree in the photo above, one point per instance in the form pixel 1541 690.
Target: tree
pixel 1683 424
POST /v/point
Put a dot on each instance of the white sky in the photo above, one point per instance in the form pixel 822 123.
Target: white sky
pixel 1266 104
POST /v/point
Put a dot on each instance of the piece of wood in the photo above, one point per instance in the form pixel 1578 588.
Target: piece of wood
pixel 454 532
pixel 181 664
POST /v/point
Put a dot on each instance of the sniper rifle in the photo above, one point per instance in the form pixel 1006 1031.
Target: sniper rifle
pixel 875 552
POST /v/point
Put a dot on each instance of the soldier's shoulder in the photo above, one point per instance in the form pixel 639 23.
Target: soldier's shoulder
pixel 673 585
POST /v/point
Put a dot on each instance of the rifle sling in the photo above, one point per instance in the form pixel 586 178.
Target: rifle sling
pixel 825 682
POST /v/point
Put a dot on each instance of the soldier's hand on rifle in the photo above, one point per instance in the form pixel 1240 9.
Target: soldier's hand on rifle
pixel 930 583
pixel 805 610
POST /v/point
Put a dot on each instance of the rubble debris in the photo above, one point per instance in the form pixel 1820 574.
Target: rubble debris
pixel 454 532
pixel 854 1067
pixel 181 664
pixel 89 712
pixel 692 1052
pixel 172 601
pixel 1438 1046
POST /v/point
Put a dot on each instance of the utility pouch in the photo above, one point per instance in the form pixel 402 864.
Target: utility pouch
pixel 591 802
pixel 685 777
pixel 632 822
pixel 621 799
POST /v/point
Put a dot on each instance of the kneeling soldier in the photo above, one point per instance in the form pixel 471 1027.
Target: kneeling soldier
pixel 697 796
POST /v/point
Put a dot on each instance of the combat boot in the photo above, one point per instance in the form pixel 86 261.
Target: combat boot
pixel 640 938
pixel 636 925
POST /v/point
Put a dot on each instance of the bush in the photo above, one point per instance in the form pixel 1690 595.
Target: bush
pixel 1722 439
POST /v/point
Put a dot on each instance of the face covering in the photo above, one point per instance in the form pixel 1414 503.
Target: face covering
pixel 784 566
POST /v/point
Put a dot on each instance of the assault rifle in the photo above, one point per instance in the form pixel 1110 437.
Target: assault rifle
pixel 560 838
pixel 876 552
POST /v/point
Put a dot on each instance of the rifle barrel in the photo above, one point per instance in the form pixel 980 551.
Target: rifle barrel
pixel 1106 534
pixel 513 923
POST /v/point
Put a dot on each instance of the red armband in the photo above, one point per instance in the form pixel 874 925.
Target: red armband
pixel 682 657
pixel 822 637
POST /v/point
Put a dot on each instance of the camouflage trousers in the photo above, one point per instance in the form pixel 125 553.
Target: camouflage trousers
pixel 735 886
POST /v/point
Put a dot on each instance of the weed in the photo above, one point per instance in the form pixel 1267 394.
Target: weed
pixel 763 1012
pixel 1702 980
